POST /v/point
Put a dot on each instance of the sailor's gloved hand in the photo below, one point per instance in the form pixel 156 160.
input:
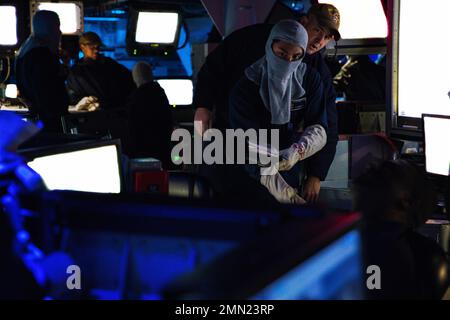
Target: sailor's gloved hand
pixel 89 103
pixel 280 189
pixel 312 140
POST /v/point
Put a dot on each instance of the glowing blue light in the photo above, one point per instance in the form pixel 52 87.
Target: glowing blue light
pixel 101 19
pixel 23 236
pixel 295 5
pixel 185 53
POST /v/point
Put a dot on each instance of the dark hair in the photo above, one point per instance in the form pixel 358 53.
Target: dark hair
pixel 394 190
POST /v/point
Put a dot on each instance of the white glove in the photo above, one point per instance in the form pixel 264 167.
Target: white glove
pixel 312 140
pixel 89 103
pixel 280 189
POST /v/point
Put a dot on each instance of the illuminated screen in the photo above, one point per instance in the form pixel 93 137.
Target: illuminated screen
pixel 423 85
pixel 335 272
pixel 437 147
pixel 178 91
pixel 8 26
pixel 360 19
pixel 157 27
pixel 90 170
pixel 69 15
pixel 11 91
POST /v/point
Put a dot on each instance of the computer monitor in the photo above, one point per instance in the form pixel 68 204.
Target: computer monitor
pixel 178 91
pixel 70 14
pixel 152 30
pixel 306 258
pixel 333 273
pixel 435 99
pixel 129 246
pixel 8 25
pixel 355 15
pixel 157 27
pixel 437 146
pixel 357 35
pixel 93 166
pixel 11 91
pixel 409 98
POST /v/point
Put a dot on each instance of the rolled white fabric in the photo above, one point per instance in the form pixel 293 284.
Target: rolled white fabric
pixel 280 189
pixel 312 141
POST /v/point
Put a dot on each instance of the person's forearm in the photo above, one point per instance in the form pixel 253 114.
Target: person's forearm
pixel 319 164
pixel 202 120
pixel 311 141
